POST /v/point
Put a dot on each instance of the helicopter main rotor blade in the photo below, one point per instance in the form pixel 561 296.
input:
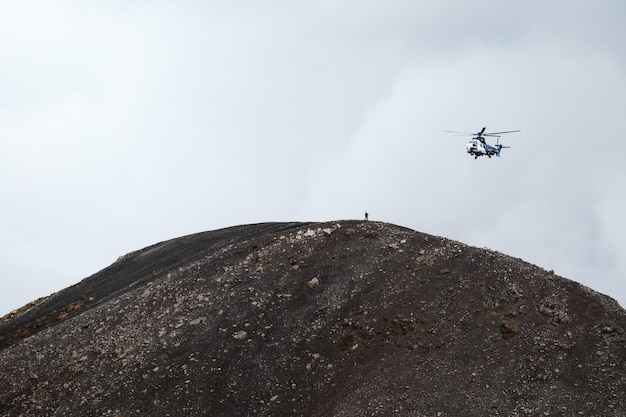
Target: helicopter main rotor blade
pixel 481 133
pixel 499 133
pixel 459 133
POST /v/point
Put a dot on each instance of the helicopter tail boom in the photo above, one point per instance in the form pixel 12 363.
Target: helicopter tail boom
pixel 499 149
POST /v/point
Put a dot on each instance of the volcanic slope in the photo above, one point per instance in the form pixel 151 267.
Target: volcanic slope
pixel 344 318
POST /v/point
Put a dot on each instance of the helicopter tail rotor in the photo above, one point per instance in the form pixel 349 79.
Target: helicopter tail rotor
pixel 500 147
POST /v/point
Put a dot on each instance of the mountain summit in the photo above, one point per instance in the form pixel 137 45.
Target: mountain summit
pixel 345 318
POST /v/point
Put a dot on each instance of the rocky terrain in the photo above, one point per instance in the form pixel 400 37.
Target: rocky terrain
pixel 342 319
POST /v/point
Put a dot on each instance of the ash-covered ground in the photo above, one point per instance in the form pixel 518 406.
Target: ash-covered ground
pixel 344 318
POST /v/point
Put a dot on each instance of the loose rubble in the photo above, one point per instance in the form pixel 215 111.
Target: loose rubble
pixel 343 318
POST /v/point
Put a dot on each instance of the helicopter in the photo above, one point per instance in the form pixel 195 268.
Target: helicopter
pixel 478 146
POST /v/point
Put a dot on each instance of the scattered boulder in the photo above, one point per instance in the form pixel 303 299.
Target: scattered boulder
pixel 314 283
pixel 508 330
pixel 240 335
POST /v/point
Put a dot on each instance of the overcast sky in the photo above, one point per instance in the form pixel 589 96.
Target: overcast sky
pixel 126 123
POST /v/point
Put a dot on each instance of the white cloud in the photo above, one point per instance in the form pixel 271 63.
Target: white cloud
pixel 123 124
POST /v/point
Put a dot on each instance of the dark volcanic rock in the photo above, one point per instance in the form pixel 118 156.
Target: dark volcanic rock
pixel 305 319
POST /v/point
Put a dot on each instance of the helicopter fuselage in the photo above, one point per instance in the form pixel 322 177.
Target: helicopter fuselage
pixel 478 147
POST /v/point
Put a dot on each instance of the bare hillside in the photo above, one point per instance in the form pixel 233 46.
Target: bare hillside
pixel 343 318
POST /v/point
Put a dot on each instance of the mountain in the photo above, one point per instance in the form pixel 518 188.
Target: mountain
pixel 344 318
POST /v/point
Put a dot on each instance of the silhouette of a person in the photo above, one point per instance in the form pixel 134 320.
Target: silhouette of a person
pixel 366 216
